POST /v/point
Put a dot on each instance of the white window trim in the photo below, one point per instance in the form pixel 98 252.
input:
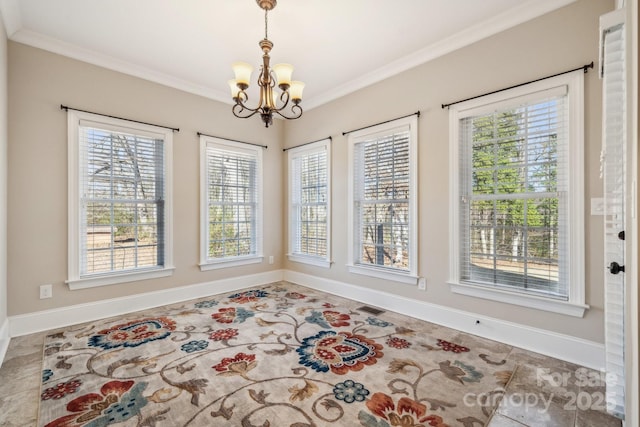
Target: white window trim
pixel 231 262
pixel 575 305
pixel 74 280
pixel 324 262
pixel 410 276
pixel 207 263
pixel 115 278
pixel 310 260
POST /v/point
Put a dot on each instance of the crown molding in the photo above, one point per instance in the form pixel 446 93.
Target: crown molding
pixel 508 19
pixel 531 9
pixel 51 44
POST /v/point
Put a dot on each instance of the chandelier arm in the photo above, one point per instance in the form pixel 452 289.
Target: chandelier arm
pixel 239 107
pixel 295 109
pixel 242 97
pixel 284 98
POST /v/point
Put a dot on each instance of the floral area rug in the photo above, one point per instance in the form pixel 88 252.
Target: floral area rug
pixel 276 355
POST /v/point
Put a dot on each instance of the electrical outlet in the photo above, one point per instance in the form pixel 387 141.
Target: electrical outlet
pixel 270 259
pixel 46 291
pixel 422 284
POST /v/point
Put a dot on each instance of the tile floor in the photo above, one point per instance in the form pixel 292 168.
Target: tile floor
pixel 542 392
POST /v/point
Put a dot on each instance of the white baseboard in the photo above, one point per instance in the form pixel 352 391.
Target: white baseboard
pixel 576 350
pixel 60 317
pixel 564 347
pixel 4 339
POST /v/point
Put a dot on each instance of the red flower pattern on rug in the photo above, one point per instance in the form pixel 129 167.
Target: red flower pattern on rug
pixel 449 346
pixel 295 295
pixel 336 319
pixel 61 390
pixel 104 408
pixel 277 355
pixel 407 413
pixel 223 334
pixel 133 334
pixel 239 364
pixel 232 315
pixel 396 342
pixel 248 296
pixel 339 352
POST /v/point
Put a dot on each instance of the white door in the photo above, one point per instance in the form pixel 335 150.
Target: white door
pixel 614 175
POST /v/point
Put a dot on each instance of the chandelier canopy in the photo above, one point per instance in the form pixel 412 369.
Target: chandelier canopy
pixel 270 102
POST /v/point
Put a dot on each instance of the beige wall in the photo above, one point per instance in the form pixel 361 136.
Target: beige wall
pixel 37 200
pixel 3 174
pixel 38 83
pixel 555 42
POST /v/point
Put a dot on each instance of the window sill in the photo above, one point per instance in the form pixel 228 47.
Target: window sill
pixel 113 279
pixel 318 262
pixel 521 299
pixel 232 262
pixel 381 273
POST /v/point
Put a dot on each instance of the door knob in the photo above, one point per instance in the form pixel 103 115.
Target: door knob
pixel 615 268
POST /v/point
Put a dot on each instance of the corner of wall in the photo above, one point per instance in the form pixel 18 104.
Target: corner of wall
pixel 4 329
pixel 4 339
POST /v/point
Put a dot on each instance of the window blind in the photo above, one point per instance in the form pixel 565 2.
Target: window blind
pixel 614 118
pixel 381 199
pixel 514 194
pixel 309 203
pixel 122 192
pixel 232 202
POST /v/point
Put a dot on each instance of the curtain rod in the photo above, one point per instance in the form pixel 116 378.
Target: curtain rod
pixel 417 113
pixel 233 140
pixel 307 143
pixel 584 68
pixel 66 108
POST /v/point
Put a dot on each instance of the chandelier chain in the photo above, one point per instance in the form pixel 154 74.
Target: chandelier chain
pixel 265 24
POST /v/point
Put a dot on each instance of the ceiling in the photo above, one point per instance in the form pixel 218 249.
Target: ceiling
pixel 335 46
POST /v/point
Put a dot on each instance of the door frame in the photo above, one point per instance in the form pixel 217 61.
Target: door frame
pixel 632 337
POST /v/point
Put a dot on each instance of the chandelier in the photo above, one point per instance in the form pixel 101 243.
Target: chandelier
pixel 270 102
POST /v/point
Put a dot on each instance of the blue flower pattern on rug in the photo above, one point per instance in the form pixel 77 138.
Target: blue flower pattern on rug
pixel 317 318
pixel 192 346
pixel 129 406
pixel 46 375
pixel 248 296
pixel 339 352
pixel 206 304
pixel 350 391
pixel 133 334
pixel 374 321
pixel 241 358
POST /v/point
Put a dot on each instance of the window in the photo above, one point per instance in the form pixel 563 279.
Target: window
pixel 309 212
pixel 517 196
pixel 382 201
pixel 119 201
pixel 231 192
